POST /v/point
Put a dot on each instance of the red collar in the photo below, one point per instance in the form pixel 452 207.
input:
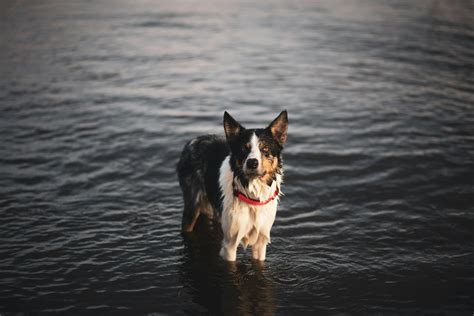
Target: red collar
pixel 250 201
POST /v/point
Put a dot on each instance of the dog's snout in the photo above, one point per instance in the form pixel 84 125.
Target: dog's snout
pixel 252 163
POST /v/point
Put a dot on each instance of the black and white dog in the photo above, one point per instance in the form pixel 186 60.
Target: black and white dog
pixel 235 180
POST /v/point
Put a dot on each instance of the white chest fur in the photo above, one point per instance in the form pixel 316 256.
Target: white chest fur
pixel 244 223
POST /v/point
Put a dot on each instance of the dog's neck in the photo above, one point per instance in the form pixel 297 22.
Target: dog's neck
pixel 256 188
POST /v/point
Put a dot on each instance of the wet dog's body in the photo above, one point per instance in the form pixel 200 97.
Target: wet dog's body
pixel 235 180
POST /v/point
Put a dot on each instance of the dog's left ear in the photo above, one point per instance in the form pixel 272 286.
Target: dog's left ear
pixel 279 128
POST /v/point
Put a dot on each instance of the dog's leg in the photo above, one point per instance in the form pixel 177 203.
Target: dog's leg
pixel 229 244
pixel 190 216
pixel 234 224
pixel 259 249
pixel 229 250
pixel 192 198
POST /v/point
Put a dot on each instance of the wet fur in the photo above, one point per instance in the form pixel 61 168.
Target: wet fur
pixel 211 167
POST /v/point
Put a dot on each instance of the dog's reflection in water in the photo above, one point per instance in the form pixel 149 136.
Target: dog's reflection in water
pixel 220 287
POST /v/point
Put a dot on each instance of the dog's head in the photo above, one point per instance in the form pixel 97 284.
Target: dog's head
pixel 256 153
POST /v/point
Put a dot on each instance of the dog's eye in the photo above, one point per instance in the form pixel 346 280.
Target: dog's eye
pixel 266 151
pixel 246 147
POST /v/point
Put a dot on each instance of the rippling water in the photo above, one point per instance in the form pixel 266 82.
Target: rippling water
pixel 98 98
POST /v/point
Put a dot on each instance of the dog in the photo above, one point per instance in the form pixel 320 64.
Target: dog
pixel 236 181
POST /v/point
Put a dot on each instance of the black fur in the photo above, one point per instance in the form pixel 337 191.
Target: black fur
pixel 198 172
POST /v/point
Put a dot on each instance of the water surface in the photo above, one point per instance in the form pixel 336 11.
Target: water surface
pixel 98 98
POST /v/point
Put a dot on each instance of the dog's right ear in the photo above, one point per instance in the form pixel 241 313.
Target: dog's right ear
pixel 231 127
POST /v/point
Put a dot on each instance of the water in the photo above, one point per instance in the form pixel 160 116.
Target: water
pixel 98 98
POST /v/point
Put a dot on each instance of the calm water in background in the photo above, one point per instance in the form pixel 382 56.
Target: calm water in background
pixel 98 98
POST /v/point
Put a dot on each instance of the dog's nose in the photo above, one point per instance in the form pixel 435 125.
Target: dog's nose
pixel 252 163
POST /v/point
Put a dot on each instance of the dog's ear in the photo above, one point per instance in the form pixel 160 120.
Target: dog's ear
pixel 231 127
pixel 279 128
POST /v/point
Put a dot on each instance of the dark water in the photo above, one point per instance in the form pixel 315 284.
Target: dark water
pixel 98 98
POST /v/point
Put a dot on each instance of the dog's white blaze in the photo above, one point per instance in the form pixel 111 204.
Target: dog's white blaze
pixel 254 149
pixel 254 152
pixel 240 220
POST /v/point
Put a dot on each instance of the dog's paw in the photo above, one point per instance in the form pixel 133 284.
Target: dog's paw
pixel 228 255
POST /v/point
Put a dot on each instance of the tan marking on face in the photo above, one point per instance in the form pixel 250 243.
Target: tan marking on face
pixel 269 165
pixel 238 162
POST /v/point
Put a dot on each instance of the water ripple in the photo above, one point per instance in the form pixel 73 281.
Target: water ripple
pixel 98 100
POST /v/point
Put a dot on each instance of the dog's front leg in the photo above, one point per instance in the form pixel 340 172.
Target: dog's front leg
pixel 229 250
pixel 259 249
pixel 234 224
